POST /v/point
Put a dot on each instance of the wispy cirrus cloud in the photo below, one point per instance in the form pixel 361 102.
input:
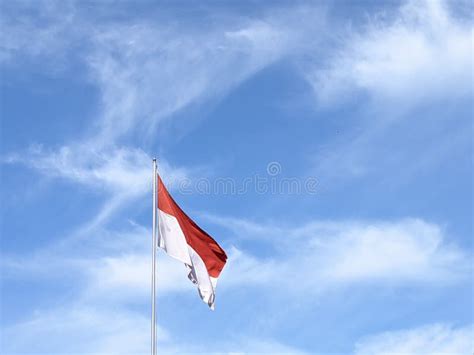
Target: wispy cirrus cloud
pixel 80 328
pixel 315 256
pixel 43 34
pixel 121 174
pixel 408 75
pixel 427 339
pixel 120 170
pixel 77 328
pixel 319 255
pixel 147 70
pixel 421 53
pixel 112 270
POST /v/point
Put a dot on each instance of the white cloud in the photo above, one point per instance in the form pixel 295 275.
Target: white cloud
pixel 430 339
pixel 313 258
pixel 409 74
pixel 261 346
pixel 112 270
pixel 122 173
pixel 125 170
pixel 41 33
pixel 319 255
pixel 121 170
pixel 126 277
pixel 106 263
pixel 145 68
pixel 83 329
pixel 79 328
pixel 408 250
pixel 423 53
pixel 147 72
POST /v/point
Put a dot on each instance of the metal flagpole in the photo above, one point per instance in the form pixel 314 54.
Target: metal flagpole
pixel 153 267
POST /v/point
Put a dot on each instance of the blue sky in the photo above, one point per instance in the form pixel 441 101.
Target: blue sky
pixel 370 100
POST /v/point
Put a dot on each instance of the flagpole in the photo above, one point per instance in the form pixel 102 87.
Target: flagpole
pixel 153 267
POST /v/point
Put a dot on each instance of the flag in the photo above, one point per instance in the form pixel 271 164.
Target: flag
pixel 182 239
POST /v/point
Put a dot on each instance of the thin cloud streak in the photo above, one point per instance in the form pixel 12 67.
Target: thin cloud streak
pixel 313 258
pixel 316 257
pixel 323 255
pixel 146 71
pixel 427 339
pixel 422 54
pixel 114 170
pixel 408 73
pixel 122 174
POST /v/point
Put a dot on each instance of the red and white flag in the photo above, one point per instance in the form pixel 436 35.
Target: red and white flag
pixel 182 239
